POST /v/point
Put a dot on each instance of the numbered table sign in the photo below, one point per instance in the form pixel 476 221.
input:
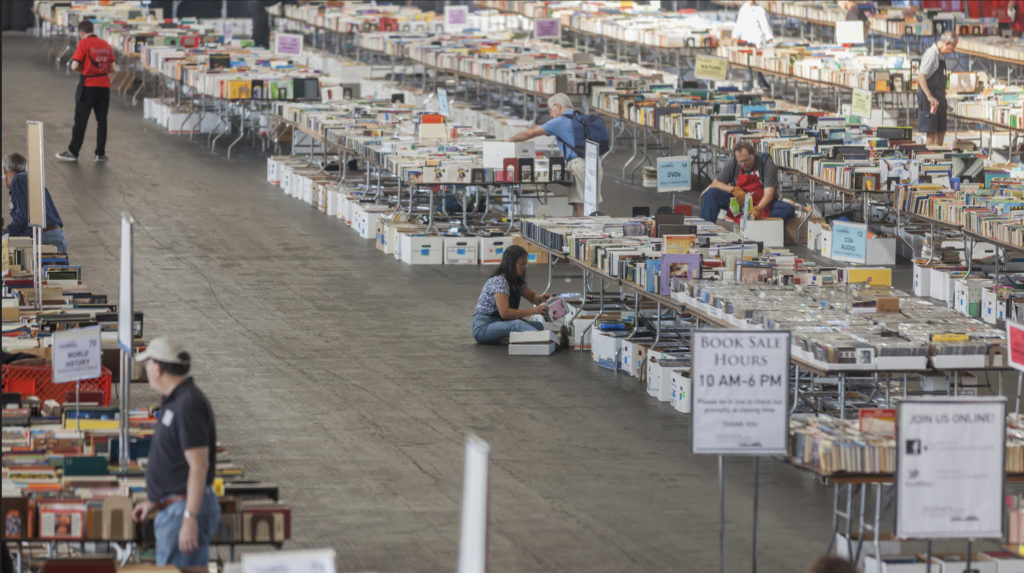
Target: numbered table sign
pixel 77 354
pixel 740 392
pixel 673 174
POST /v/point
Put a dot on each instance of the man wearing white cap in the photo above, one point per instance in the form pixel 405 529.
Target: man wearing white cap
pixel 181 460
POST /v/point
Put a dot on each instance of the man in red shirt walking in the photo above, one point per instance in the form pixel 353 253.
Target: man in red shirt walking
pixel 96 60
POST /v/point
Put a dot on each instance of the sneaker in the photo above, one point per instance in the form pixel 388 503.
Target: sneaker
pixel 67 156
pixel 101 159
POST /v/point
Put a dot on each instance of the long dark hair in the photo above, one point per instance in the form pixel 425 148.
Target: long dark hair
pixel 507 268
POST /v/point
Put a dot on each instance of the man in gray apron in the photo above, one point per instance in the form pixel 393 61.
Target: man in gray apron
pixel 931 90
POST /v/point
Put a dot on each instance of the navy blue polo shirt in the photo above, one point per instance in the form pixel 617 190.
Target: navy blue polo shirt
pixel 185 422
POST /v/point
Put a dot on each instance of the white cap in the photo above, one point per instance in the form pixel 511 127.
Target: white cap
pixel 166 349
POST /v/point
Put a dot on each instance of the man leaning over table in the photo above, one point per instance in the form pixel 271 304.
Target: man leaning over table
pixel 182 457
pixel 562 127
pixel 747 173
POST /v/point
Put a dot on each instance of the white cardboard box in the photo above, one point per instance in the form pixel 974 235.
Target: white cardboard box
pixel 1013 564
pixel 461 250
pixel 495 152
pixel 887 546
pixel 535 349
pixel 918 566
pixel 952 563
pixel 881 251
pixel 967 295
pixel 769 231
pixel 681 388
pixel 492 248
pixel 605 347
pixel 922 280
pixel 421 249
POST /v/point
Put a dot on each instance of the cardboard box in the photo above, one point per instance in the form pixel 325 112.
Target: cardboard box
pixel 681 388
pixel 922 279
pixel 967 295
pixel 532 343
pixel 421 249
pixel 495 152
pixel 888 545
pixel 461 250
pixel 534 254
pixel 492 249
pixel 956 563
pixel 605 348
pixel 1005 561
pixel 769 231
pixel 896 564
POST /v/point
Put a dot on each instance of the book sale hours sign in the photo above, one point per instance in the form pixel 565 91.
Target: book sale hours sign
pixel 950 468
pixel 740 391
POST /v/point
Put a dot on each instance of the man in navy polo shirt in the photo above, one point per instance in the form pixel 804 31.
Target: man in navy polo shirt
pixel 181 460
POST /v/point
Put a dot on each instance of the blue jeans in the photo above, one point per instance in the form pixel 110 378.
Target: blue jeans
pixel 490 328
pixel 715 200
pixel 168 524
pixel 57 239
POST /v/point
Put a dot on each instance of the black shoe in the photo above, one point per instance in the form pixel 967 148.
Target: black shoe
pixel 101 159
pixel 67 156
pixel 564 335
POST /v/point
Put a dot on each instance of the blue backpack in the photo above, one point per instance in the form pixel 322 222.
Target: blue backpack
pixel 587 126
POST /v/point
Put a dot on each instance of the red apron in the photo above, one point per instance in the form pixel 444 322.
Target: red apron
pixel 751 184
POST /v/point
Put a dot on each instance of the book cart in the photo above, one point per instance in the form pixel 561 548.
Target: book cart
pixel 858 499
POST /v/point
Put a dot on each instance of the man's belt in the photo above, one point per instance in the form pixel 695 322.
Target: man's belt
pixel 53 228
pixel 169 500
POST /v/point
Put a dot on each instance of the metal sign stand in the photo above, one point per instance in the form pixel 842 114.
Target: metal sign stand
pixel 125 337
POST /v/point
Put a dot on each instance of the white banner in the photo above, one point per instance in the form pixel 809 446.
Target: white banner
pixel 590 167
pixel 308 561
pixel 473 536
pixel 950 470
pixel 124 302
pixel 740 390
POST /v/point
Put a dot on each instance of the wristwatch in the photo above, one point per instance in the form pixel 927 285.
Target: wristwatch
pixel 188 514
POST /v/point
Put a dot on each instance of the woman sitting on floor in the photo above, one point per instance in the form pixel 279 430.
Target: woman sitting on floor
pixel 497 310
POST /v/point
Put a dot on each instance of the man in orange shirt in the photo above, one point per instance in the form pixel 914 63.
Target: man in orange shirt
pixel 96 60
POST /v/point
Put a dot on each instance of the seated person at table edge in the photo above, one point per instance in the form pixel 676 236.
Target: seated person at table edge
pixel 16 180
pixel 747 172
pixel 497 310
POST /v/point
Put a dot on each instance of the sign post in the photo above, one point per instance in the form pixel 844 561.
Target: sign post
pixel 456 18
pixel 673 175
pixel 860 104
pixel 77 356
pixel 288 44
pixel 711 68
pixel 950 468
pixel 590 179
pixel 547 29
pixel 473 535
pixel 442 102
pixel 740 392
pixel 125 332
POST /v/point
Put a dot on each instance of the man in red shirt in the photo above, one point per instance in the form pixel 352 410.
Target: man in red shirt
pixel 96 60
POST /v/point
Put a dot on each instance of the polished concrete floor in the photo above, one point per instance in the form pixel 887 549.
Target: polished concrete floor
pixel 351 379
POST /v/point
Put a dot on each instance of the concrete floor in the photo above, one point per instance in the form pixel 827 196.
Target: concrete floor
pixel 351 379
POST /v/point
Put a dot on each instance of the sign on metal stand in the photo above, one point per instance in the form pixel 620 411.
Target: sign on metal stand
pixel 473 535
pixel 125 332
pixel 1015 356
pixel 77 356
pixel 739 403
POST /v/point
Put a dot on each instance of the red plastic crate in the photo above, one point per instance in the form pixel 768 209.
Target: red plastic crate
pixel 37 381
